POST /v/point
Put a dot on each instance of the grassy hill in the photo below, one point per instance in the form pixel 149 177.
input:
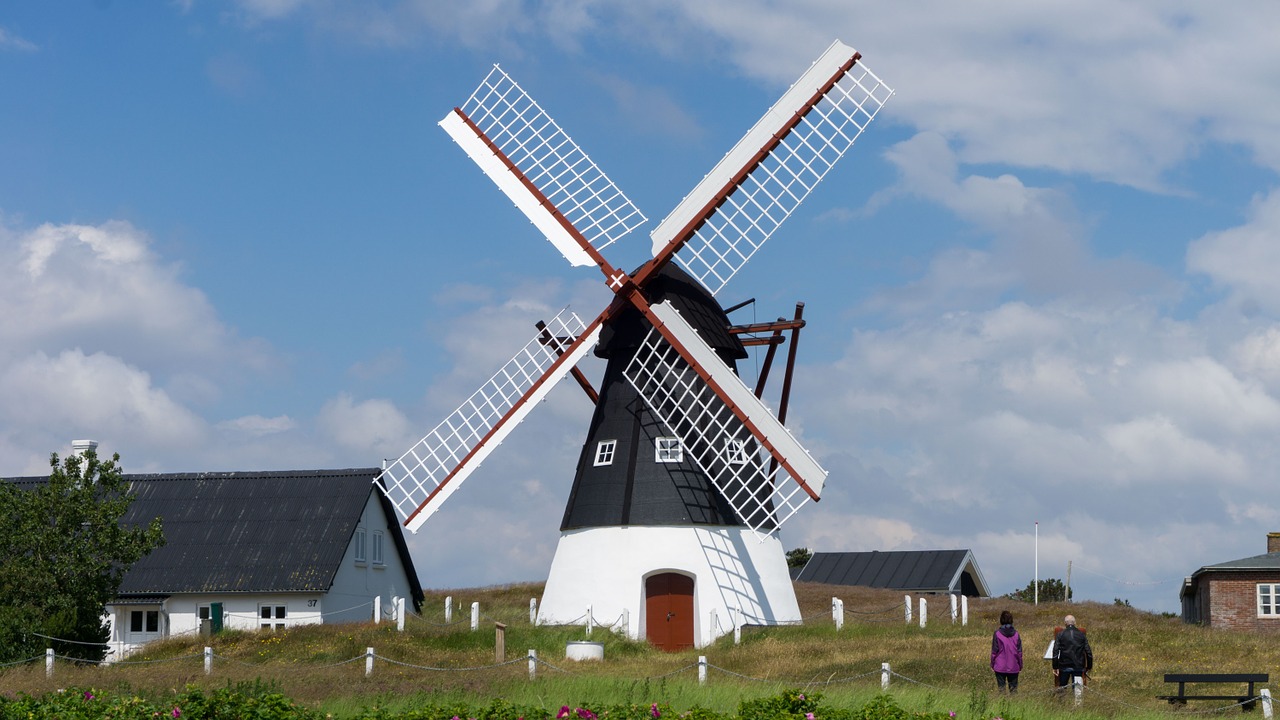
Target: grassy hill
pixel 941 667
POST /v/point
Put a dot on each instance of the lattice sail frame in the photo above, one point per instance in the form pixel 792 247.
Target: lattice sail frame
pixel 439 462
pixel 549 159
pixel 713 434
pixel 777 181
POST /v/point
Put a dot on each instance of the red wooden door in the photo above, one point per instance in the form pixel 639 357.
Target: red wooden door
pixel 668 607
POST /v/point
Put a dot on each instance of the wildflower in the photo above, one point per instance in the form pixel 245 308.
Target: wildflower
pixel 808 716
pixel 586 714
pixel 88 695
pixel 176 712
pixel 952 713
pixel 802 696
pixel 653 710
pixel 564 712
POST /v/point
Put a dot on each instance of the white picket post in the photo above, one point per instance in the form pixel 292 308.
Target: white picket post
pixel 626 622
pixel 1267 713
pixel 884 677
pixel 954 609
pixel 377 609
pixel 208 660
pixel 737 626
pixel 964 611
pixel 702 669
pixel 400 614
pixel 533 610
pixel 924 612
pixel 1078 683
pixel 475 615
pixel 907 602
pixel 48 662
pixel 713 625
pixel 837 612
pixel 368 662
pixel 533 663
pixel 448 609
pixel 591 621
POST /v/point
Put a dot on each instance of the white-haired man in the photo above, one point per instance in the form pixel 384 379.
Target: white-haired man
pixel 1072 656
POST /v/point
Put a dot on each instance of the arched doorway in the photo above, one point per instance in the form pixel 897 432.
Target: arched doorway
pixel 668 607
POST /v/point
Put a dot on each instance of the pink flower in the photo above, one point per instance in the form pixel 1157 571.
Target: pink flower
pixel 808 716
pixel 564 712
pixel 88 695
pixel 586 714
pixel 802 697
pixel 653 710
pixel 952 713
pixel 176 712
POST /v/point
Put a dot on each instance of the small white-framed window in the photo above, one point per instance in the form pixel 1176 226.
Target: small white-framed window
pixel 144 621
pixel 357 546
pixel 204 612
pixel 605 451
pixel 667 450
pixel 375 549
pixel 269 613
pixel 735 451
pixel 1268 599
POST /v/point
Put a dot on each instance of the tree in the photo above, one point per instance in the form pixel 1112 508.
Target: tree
pixel 63 554
pixel 1051 590
pixel 798 557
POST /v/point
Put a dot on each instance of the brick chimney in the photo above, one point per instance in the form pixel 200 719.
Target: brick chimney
pixel 1273 542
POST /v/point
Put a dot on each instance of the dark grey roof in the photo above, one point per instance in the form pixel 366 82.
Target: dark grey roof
pixel 940 571
pixel 284 531
pixel 1266 561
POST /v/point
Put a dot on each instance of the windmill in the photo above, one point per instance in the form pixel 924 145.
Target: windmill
pixel 686 476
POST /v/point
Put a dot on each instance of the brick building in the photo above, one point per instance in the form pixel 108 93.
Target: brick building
pixel 1239 594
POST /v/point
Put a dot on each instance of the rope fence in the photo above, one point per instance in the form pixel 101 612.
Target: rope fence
pixel 1078 691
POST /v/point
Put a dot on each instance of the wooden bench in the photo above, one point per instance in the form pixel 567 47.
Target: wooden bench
pixel 1246 701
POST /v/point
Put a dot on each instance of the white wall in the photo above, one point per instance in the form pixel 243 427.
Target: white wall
pixel 351 597
pixel 605 569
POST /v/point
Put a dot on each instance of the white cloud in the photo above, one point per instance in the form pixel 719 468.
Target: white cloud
pixel 1244 260
pixel 257 425
pixel 10 41
pixel 373 426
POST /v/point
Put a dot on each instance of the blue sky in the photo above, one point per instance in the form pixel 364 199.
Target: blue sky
pixel 1040 287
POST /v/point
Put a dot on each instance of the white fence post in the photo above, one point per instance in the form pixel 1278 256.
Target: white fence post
pixel 48 662
pixel 208 660
pixel 702 669
pixel 400 614
pixel 368 662
pixel 533 663
pixel 448 609
pixel 591 621
pixel 1077 683
pixel 907 600
pixel 955 611
pixel 924 612
pixel 475 615
pixel 964 611
pixel 377 609
pixel 1266 704
pixel 737 626
pixel 626 622
pixel 713 625
pixel 533 610
pixel 837 612
pixel 884 677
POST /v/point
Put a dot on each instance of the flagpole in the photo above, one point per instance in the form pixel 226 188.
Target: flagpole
pixel 1036 594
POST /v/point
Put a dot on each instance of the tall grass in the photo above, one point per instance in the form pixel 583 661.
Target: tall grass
pixel 942 667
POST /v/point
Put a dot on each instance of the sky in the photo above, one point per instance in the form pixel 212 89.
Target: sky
pixel 1042 320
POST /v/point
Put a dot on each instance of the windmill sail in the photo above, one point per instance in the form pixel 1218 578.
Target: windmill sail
pixel 723 221
pixel 540 168
pixel 429 472
pixel 722 438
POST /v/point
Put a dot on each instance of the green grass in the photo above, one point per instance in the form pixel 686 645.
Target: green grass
pixel 946 666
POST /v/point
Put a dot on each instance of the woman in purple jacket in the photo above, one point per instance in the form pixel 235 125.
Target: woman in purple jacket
pixel 1006 653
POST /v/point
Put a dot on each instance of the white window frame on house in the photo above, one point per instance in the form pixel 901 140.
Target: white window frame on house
pixel 667 450
pixel 358 546
pixel 735 451
pixel 375 549
pixel 605 451
pixel 1268 595
pixel 271 611
pixel 147 621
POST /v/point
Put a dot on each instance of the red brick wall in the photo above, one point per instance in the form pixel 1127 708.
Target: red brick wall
pixel 1231 602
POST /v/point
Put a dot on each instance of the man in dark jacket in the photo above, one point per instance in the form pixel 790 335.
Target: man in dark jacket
pixel 1072 656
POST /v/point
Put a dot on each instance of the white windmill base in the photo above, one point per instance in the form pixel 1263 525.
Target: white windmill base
pixel 737 579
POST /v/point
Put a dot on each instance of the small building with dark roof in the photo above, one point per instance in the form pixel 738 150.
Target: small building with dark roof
pixel 1239 594
pixel 921 571
pixel 265 550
